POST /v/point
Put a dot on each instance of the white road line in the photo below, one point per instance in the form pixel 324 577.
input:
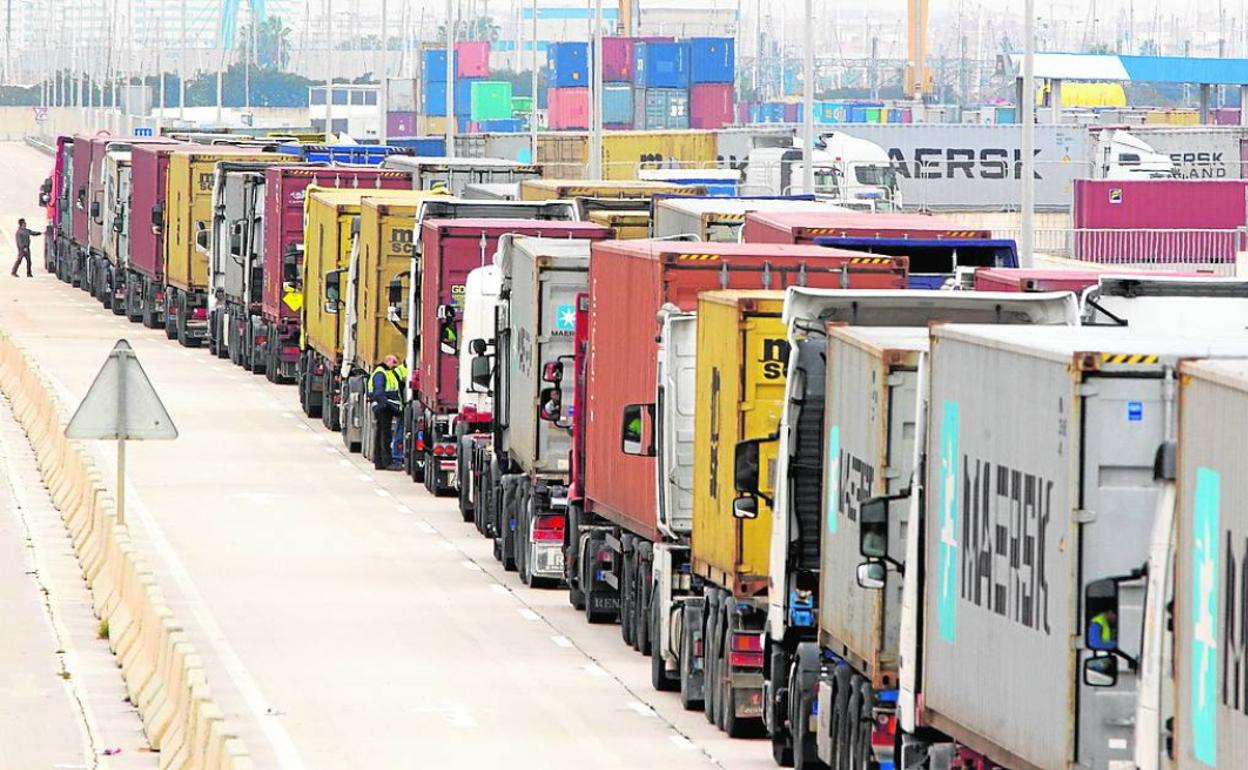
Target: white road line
pixel 529 614
pixel 682 743
pixel 365 477
pixel 447 545
pixel 381 492
pixel 561 641
pixel 334 450
pixel 401 508
pixel 472 565
pixel 426 527
pixel 345 462
pixel 593 669
pixel 288 415
pixel 641 709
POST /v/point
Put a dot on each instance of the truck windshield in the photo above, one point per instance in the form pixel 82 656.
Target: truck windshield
pixel 876 176
pixel 827 180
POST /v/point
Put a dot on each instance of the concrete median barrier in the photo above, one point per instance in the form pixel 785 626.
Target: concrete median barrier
pixel 164 676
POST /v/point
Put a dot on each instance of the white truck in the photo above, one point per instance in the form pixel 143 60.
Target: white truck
pixel 848 171
pixel 1166 303
pixel 1122 155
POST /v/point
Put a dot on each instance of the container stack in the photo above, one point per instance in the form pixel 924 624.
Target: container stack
pixel 472 66
pixel 712 72
pixel 433 91
pixel 567 100
pixel 617 82
pixel 661 77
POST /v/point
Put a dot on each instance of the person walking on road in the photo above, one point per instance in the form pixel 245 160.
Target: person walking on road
pixel 385 390
pixel 23 247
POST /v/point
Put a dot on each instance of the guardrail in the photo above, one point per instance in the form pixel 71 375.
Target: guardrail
pixel 1213 251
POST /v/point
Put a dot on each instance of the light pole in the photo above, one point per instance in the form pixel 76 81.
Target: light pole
pixel 808 99
pixel 533 94
pixel 450 78
pixel 1027 243
pixel 595 99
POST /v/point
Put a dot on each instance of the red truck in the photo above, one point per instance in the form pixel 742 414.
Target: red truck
pixel 71 271
pixel 273 334
pixel 55 197
pixel 614 523
pixel 450 249
pixel 145 279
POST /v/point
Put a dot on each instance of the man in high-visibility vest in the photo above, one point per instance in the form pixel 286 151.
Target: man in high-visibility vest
pixel 1102 627
pixel 385 390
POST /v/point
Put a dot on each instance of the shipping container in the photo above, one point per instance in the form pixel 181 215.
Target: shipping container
pixel 624 225
pixel 491 100
pixel 661 65
pixel 720 220
pixel 433 67
pixel 433 100
pixel 1036 521
pixel 567 65
pixel 710 105
pixel 617 60
pixel 617 105
pixel 623 154
pixel 454 174
pixel 712 60
pixel 508 126
pixel 629 282
pixel 805 227
pixel 463 100
pixel 521 105
pixel 568 108
pixel 979 167
pixel 1031 280
pixel 472 59
pixel 742 352
pixel 400 124
pixel 567 189
pixel 329 215
pixel 424 146
pixel 661 109
pixel 1209 728
pixel 83 151
pixel 149 164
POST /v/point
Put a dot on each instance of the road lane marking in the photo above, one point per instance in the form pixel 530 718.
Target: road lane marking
pixel 529 614
pixel 472 565
pixel 499 588
pixel 682 743
pixel 641 709
pixel 380 492
pixel 561 641
pixel 594 670
pixel 425 527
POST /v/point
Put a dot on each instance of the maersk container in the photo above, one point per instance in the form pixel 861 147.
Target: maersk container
pixel 955 166
pixel 1029 512
pixel 629 282
pixel 617 104
pixel 1199 152
pixel 1210 725
pixel 567 65
pixel 712 60
pixel 871 454
pixel 543 277
pixel 617 59
pixel 661 109
pixel 450 249
pixel 661 65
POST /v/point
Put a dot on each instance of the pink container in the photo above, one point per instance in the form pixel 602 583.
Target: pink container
pixel 472 59
pixel 743 113
pixel 1226 116
pixel 567 108
pixel 617 59
pixel 400 124
pixel 1158 220
pixel 906 115
pixel 710 105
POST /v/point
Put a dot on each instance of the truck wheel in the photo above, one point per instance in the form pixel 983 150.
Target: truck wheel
pixel 171 315
pixel 781 739
pixel 851 748
pixel 523 535
pixel 571 562
pixel 841 721
pixel 803 679
pixel 465 483
pixel 508 523
pixel 628 582
pixel 725 702
pixel 641 621
pixel 659 678
pixel 710 656
pixel 687 646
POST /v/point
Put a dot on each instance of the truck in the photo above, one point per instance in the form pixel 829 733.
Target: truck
pixel 520 468
pixel 1153 302
pixel 145 274
pixel 627 551
pixel 116 229
pixel 848 171
pixel 453 175
pixel 88 154
pixel 378 271
pixel 1122 155
pixel 790 633
pixel 235 278
pixel 268 336
pixel 475 452
pixel 1032 544
pixel 56 196
pixel 936 246
pixel 188 221
pixel 719 220
pixel 450 249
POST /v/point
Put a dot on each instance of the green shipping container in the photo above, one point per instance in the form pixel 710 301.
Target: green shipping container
pixel 873 114
pixel 521 104
pixel 491 100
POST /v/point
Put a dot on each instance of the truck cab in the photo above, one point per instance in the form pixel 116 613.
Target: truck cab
pixel 848 171
pixel 1122 155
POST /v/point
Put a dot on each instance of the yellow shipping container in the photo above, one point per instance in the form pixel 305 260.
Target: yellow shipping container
pixel 188 199
pixel 627 225
pixel 564 189
pixel 385 248
pixel 623 152
pixel 741 357
pixel 327 241
pixel 563 155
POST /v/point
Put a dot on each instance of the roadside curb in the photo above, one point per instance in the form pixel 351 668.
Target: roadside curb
pixel 164 675
pixel 40 146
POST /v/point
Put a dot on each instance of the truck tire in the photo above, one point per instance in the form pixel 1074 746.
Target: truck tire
pixel 862 758
pixel 523 534
pixel 592 544
pixel 841 721
pixel 725 701
pixel 710 656
pixel 660 680
pixel 641 619
pixel 465 483
pixel 628 580
pixel 571 560
pixel 851 750
pixel 171 315
pixel 687 645
pixel 803 678
pixel 778 706
pixel 507 524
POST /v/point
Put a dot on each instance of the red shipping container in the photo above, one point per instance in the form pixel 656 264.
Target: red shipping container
pixel 617 59
pixel 78 194
pixel 710 105
pixel 1226 116
pixel 100 145
pixel 450 249
pixel 628 282
pixel 147 174
pixel 472 59
pixel 567 108
pixel 805 226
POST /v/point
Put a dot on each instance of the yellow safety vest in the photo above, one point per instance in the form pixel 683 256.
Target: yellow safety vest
pixel 394 378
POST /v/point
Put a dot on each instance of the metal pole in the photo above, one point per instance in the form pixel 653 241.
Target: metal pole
pixel 329 70
pixel 595 99
pixel 533 94
pixel 450 78
pixel 808 100
pixel 182 69
pixel 1027 242
pixel 383 98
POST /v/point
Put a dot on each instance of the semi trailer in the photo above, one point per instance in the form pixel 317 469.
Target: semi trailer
pixel 719 220
pixel 453 175
pixel 145 278
pixel 118 181
pixel 56 196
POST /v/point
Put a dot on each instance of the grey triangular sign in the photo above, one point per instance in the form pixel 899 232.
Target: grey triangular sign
pixel 121 404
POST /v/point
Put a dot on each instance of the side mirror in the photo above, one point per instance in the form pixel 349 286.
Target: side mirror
pixel 201 237
pixel 95 211
pixel 119 223
pixel 871 575
pixel 745 508
pixel 745 466
pixel 1100 671
pixel 873 528
pixel 1100 607
pixel 290 266
pixel 394 292
pixel 481 373
pixel 158 218
pixel 551 400
pixel 478 346
pixel 552 372
pixel 45 192
pixel 333 290
pixel 638 420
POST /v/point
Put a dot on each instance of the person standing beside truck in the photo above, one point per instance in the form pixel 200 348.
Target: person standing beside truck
pixel 385 388
pixel 23 236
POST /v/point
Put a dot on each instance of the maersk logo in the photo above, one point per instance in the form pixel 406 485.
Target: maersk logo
pixel 1205 616
pixel 565 318
pixel 947 538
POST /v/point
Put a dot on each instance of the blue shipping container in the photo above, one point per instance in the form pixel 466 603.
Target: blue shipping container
pixel 424 146
pixel 433 99
pixel 507 126
pixel 568 65
pixel 357 154
pixel 712 60
pixel 435 65
pixel 463 96
pixel 617 104
pixel 661 65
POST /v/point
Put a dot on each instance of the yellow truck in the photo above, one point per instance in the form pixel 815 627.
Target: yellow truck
pixel 378 278
pixel 187 219
pixel 710 595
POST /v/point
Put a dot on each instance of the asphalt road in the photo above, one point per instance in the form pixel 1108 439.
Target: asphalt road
pixel 346 618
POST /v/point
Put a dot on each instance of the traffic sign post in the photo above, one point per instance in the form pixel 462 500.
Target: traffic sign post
pixel 121 405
